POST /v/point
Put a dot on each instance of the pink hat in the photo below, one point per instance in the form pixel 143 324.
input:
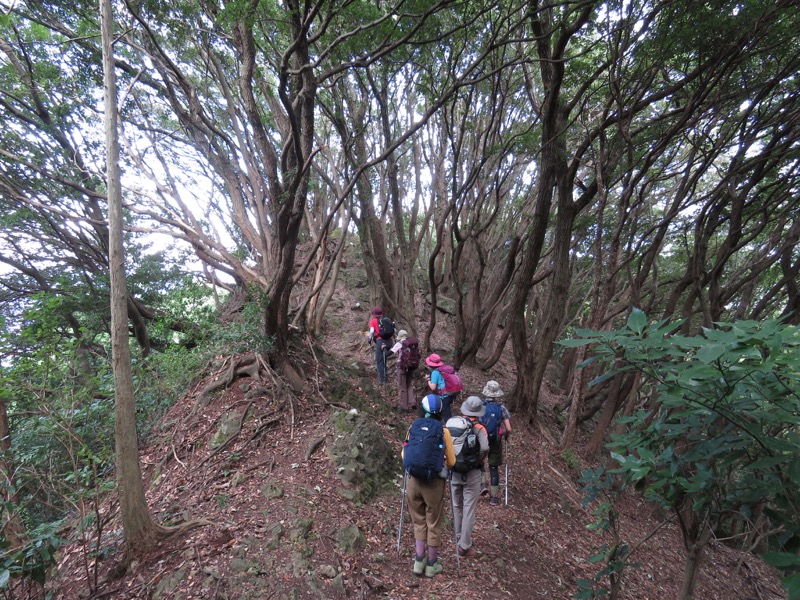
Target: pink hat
pixel 377 311
pixel 434 360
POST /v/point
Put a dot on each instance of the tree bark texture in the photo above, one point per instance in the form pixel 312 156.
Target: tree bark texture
pixel 141 533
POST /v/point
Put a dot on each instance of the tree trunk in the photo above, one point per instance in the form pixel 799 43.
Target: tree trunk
pixel 620 388
pixel 13 529
pixel 141 533
pixel 576 404
pixel 691 567
pixel 552 41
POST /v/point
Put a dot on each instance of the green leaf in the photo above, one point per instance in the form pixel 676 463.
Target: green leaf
pixel 792 585
pixel 4 577
pixel 794 471
pixel 710 352
pixel 637 320
pixel 596 558
pixel 780 445
pixel 618 457
pixel 766 463
pixel 602 378
pixel 781 559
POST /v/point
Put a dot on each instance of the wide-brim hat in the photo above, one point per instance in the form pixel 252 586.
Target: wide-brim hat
pixel 473 407
pixel 377 311
pixel 492 390
pixel 434 360
pixel 402 335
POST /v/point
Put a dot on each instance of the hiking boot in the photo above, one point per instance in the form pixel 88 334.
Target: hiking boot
pixel 434 569
pixel 419 567
pixel 494 500
pixel 468 553
pixel 484 490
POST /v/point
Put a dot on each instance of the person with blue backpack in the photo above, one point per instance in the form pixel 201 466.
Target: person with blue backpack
pixel 427 455
pixel 497 421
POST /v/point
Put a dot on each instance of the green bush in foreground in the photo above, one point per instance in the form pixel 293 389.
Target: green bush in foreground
pixel 717 439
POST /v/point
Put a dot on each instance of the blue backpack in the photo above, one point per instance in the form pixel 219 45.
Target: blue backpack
pixel 423 454
pixel 492 420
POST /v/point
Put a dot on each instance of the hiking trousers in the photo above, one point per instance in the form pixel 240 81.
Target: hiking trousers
pixel 466 489
pixel 404 383
pixel 381 351
pixel 425 503
pixel 447 404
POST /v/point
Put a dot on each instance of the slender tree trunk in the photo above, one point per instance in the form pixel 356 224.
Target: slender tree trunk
pixel 576 404
pixel 691 568
pixel 141 533
pixel 13 529
pixel 325 299
pixel 620 388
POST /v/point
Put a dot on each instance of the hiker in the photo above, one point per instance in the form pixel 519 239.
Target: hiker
pixel 497 421
pixel 471 445
pixel 443 380
pixel 407 351
pixel 381 332
pixel 427 454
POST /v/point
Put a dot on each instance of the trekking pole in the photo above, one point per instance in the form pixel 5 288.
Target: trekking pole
pixel 385 366
pixel 453 508
pixel 402 507
pixel 508 450
pixel 506 486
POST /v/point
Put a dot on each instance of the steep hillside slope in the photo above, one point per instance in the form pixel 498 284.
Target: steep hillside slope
pixel 285 526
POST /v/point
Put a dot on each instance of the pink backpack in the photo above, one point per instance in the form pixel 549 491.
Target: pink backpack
pixel 452 382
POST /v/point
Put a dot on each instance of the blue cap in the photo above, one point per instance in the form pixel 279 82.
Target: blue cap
pixel 432 404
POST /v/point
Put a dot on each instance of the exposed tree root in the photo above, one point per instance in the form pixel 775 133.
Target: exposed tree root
pixel 261 428
pixel 246 365
pixel 314 446
pixel 231 439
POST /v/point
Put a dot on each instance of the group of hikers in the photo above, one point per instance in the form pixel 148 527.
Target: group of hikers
pixel 440 447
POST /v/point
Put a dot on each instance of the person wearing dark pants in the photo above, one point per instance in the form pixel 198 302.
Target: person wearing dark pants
pixel 492 393
pixel 381 351
pixel 383 343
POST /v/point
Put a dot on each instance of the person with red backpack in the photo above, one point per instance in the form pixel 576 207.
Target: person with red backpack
pixel 443 380
pixel 497 421
pixel 381 332
pixel 407 351
pixel 427 454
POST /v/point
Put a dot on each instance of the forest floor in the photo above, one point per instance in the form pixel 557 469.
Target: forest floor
pixel 276 509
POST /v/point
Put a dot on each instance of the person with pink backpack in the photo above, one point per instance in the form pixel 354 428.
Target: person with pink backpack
pixel 443 380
